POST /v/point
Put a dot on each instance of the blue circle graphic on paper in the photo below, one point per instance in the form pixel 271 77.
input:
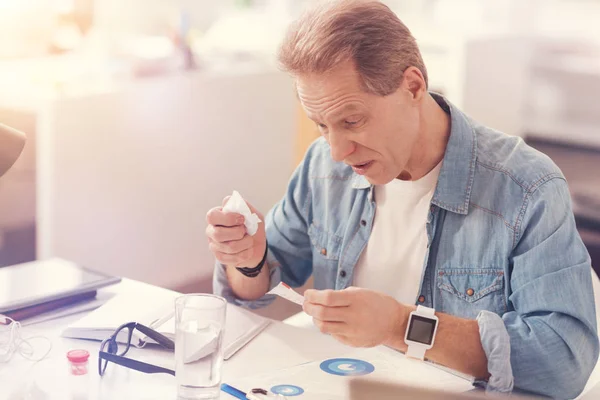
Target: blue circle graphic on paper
pixel 347 367
pixel 287 390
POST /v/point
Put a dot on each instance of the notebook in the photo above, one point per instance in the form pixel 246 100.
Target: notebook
pixel 157 312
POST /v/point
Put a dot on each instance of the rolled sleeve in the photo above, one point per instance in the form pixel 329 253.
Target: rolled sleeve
pixel 496 345
pixel 222 288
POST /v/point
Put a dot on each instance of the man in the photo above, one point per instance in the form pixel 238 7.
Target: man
pixel 406 201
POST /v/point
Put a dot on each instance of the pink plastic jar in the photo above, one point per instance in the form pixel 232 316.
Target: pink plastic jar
pixel 78 362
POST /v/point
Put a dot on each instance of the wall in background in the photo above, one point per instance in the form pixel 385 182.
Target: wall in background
pixel 126 178
pixel 153 16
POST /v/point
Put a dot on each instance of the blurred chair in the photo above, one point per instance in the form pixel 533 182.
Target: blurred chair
pixel 17 194
pixel 12 143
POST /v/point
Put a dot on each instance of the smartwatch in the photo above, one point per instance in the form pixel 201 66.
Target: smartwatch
pixel 420 332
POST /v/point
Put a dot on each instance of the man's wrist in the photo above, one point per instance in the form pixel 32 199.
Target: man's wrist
pixel 253 272
pixel 396 339
pixel 263 259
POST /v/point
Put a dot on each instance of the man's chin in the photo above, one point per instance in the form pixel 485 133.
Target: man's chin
pixel 378 179
pixel 377 176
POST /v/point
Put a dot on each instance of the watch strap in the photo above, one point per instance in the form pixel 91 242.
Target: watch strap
pixel 425 311
pixel 417 352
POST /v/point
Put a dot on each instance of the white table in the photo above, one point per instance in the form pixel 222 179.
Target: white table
pixel 280 346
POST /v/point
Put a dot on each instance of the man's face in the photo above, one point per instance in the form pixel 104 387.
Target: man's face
pixel 375 135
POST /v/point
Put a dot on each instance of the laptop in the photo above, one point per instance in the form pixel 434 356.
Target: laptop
pixel 53 281
pixel 368 389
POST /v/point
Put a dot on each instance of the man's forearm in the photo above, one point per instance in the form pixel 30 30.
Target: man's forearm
pixel 457 344
pixel 248 288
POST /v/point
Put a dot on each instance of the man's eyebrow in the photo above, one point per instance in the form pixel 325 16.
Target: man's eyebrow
pixel 310 116
pixel 337 114
pixel 346 109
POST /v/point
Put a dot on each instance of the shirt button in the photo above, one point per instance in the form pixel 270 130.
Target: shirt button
pixel 363 222
pixel 421 299
pixel 470 292
pixel 343 273
pixel 324 251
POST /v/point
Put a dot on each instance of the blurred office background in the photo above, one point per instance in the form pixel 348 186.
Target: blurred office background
pixel 143 114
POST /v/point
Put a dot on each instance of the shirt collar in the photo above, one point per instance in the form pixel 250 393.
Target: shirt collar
pixel 453 190
pixel 360 182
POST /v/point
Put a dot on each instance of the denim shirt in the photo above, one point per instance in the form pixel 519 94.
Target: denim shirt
pixel 502 248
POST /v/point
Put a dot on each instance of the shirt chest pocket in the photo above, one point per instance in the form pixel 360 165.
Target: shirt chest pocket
pixel 464 292
pixel 326 248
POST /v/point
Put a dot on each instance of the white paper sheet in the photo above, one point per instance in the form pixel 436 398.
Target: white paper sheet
pixel 283 290
pixel 389 365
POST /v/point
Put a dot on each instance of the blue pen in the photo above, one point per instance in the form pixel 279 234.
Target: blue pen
pixel 238 394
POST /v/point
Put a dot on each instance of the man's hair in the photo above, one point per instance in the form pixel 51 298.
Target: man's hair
pixel 367 33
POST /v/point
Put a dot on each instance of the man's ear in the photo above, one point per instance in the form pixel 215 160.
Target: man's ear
pixel 414 83
pixel 12 143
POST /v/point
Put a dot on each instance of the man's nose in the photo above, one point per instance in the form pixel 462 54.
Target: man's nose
pixel 341 147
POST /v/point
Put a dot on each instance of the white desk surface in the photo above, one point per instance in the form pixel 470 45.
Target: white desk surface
pixel 281 345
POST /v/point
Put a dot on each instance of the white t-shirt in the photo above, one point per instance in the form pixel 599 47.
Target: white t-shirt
pixel 392 262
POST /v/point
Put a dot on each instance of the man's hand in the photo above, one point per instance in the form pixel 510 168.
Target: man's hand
pixel 364 318
pixel 356 317
pixel 230 243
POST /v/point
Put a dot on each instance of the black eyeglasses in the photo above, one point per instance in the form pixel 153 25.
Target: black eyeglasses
pixel 110 351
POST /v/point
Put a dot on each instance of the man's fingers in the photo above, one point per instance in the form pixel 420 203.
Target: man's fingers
pixel 232 259
pixel 331 328
pixel 325 313
pixel 234 246
pixel 223 234
pixel 217 217
pixel 331 298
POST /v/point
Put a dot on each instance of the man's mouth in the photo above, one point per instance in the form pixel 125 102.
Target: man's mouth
pixel 361 168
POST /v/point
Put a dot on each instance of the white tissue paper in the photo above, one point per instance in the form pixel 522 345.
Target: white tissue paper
pixel 237 204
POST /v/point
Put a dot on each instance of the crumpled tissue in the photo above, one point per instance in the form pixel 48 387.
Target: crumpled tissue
pixel 237 204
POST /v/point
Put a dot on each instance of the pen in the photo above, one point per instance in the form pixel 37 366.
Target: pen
pixel 238 394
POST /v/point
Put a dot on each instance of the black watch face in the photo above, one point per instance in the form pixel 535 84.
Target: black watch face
pixel 421 329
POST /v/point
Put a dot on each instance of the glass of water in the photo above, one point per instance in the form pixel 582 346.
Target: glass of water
pixel 199 332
